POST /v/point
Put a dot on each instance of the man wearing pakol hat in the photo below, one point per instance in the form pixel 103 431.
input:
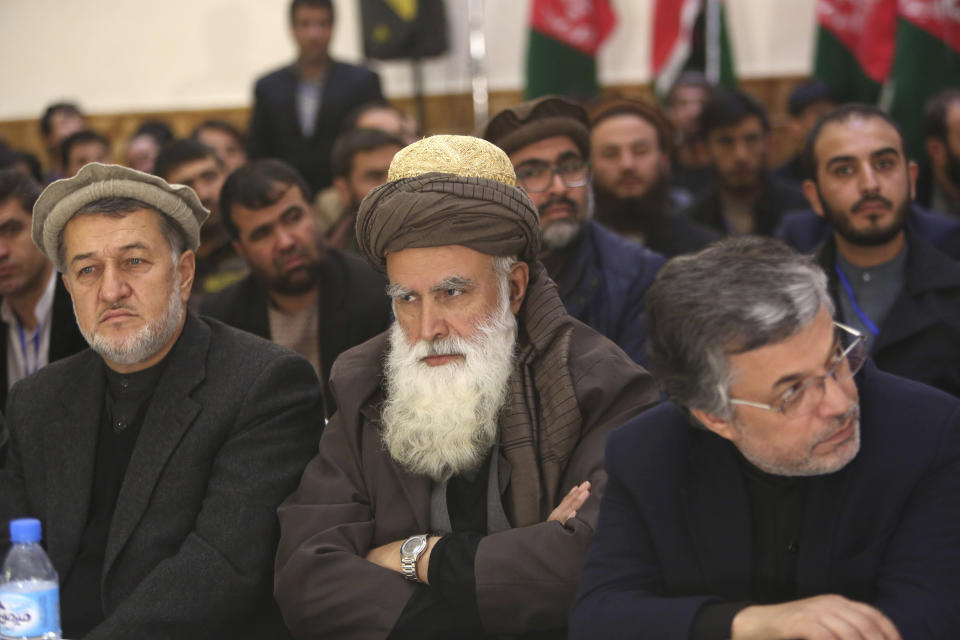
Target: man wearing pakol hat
pixel 601 277
pixel 155 459
pixel 457 486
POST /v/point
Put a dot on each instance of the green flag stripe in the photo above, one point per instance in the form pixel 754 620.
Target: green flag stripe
pixel 923 66
pixel 553 67
pixel 836 65
pixel 728 78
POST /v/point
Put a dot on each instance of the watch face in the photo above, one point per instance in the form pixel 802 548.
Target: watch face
pixel 413 545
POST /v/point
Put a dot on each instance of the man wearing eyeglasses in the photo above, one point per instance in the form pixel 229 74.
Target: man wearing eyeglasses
pixel 788 489
pixel 601 277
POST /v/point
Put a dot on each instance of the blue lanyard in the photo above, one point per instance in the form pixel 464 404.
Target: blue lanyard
pixel 27 369
pixel 853 302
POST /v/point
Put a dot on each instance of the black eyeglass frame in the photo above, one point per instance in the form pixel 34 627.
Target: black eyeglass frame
pixel 557 170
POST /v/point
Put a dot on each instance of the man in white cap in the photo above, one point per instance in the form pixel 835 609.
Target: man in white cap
pixel 156 458
pixel 456 487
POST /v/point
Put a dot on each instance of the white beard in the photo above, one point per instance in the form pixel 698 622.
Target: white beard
pixel 441 421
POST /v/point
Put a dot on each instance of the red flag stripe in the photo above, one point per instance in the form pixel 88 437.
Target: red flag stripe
pixel 934 17
pixel 673 22
pixel 581 24
pixel 867 28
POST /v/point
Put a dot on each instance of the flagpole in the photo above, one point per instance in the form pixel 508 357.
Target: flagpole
pixel 712 42
pixel 478 54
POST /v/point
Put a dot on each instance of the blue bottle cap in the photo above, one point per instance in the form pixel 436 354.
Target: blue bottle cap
pixel 25 530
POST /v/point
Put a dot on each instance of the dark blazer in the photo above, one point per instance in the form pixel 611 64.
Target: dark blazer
pixel 920 337
pixel 274 130
pixel 675 526
pixel 604 284
pixel 804 230
pixel 353 308
pixel 232 423
pixel 777 198
pixel 65 337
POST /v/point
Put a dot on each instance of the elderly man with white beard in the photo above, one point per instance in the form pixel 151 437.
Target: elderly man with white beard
pixel 457 487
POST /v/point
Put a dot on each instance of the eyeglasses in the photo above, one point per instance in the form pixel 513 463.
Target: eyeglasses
pixel 536 177
pixel 804 397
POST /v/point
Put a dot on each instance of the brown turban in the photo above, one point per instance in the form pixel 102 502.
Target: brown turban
pixel 447 190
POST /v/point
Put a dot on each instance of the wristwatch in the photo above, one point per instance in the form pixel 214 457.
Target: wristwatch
pixel 410 551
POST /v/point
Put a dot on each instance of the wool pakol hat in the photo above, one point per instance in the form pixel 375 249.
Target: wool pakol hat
pixel 61 200
pixel 536 120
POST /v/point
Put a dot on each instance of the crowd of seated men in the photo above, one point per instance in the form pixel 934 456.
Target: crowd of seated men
pixel 599 371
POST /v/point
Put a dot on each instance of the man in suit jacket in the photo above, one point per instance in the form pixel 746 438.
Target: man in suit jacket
pixel 778 494
pixel 156 459
pixel 36 319
pixel 315 300
pixel 298 109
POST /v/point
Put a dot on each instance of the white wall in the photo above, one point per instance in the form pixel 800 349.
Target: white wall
pixel 130 55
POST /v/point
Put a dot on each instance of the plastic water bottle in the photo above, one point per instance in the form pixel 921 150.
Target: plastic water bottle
pixel 29 592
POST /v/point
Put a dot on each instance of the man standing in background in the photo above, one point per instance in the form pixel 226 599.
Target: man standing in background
pixel 299 109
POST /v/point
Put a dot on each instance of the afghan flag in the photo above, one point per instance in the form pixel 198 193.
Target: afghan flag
pixel 855 46
pixel 927 61
pixel 691 35
pixel 564 39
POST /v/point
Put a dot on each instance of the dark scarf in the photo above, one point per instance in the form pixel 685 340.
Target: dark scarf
pixel 540 422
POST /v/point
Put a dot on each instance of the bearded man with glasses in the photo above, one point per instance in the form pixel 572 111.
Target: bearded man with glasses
pixel 601 277
pixel 789 489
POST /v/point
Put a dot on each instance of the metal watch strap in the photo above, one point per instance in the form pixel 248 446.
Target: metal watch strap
pixel 408 561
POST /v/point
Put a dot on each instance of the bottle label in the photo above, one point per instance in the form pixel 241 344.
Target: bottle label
pixel 29 609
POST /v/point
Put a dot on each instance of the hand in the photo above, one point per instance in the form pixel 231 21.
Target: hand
pixel 570 503
pixel 827 617
pixel 388 557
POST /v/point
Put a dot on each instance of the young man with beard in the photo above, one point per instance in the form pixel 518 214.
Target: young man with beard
pixel 889 283
pixel 601 277
pixel 630 157
pixel 745 197
pixel 156 458
pixel 199 167
pixel 787 489
pixel 314 300
pixel 36 318
pixel 456 488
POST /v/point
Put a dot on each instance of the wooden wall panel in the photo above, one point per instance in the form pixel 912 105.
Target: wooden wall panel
pixel 448 113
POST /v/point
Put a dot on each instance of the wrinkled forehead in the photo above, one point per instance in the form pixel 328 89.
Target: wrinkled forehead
pixel 102 233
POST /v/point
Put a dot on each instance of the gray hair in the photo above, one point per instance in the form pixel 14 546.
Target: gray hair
pixel 739 294
pixel 120 207
pixel 502 265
